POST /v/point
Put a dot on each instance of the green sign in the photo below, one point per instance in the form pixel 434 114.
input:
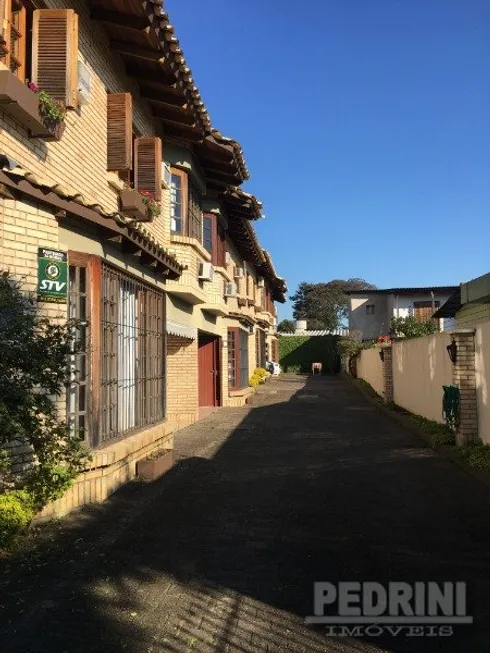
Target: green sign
pixel 52 276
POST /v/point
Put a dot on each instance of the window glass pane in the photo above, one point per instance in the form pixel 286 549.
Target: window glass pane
pixel 207 240
pixel 176 204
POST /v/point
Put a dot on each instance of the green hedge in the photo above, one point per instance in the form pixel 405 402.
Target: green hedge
pixel 297 353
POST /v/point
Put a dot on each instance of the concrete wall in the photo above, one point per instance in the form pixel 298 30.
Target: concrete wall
pixel 370 368
pixel 482 372
pixel 421 366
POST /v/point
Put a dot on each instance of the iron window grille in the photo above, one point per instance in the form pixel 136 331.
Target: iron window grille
pixel 132 384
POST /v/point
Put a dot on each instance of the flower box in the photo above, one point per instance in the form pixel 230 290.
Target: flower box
pixel 22 104
pixel 241 301
pixel 151 468
pixel 133 204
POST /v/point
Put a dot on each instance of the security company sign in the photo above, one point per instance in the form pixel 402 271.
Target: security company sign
pixel 52 276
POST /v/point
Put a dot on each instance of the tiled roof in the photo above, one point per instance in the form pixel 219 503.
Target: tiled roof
pixel 136 228
pixel 404 291
pixel 451 307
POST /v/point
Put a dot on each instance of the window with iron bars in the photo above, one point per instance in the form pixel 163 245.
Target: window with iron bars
pixel 127 375
pixel 132 385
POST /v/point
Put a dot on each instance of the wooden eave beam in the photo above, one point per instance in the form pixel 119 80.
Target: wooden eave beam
pixel 172 114
pixel 180 131
pixel 117 18
pixel 136 52
pixel 161 96
pixel 157 79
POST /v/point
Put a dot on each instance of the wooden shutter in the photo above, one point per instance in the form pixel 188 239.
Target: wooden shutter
pixel 148 165
pixel 5 11
pixel 119 131
pixel 55 53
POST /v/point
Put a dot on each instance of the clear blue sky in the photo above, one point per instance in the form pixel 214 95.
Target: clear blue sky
pixel 365 125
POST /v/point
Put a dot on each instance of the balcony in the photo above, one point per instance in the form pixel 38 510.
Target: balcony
pixel 22 104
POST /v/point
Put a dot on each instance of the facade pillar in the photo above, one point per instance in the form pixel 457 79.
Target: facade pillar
pixel 465 378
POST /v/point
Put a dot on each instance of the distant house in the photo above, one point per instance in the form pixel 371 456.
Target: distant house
pixel 370 311
pixel 469 305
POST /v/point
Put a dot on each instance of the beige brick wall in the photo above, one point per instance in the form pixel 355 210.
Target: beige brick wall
pixel 79 161
pixel 182 382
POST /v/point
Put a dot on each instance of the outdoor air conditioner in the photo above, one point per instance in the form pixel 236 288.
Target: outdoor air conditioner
pixel 166 175
pixel 230 290
pixel 260 283
pixel 206 271
pixel 239 273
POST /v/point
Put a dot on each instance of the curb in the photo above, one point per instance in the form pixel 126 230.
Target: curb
pixel 443 450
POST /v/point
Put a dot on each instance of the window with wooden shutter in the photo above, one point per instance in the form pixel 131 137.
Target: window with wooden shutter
pixel 15 29
pixel 55 54
pixel 4 23
pixel 119 131
pixel 148 165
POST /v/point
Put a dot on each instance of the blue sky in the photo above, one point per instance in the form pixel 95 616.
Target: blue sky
pixel 365 126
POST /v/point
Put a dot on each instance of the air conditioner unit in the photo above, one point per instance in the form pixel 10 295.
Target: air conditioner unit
pixel 230 290
pixel 260 283
pixel 166 175
pixel 239 273
pixel 206 271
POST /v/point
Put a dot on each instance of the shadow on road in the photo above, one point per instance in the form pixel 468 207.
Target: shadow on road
pixel 221 554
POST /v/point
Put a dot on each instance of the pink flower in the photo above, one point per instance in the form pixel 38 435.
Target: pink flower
pixel 33 87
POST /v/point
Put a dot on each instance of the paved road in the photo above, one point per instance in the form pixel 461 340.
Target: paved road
pixel 310 484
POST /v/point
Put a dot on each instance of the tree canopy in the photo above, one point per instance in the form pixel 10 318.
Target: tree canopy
pixel 326 305
pixel 285 326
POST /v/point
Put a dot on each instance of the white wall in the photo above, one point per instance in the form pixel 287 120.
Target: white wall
pixel 482 371
pixel 421 366
pixel 370 326
pixel 387 306
pixel 370 368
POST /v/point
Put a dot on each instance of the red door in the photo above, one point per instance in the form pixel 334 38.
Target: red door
pixel 209 377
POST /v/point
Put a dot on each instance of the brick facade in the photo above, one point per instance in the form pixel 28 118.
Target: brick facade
pixel 182 382
pixel 75 168
pixel 464 377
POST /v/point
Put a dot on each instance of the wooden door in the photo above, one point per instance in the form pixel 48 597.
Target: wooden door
pixel 209 376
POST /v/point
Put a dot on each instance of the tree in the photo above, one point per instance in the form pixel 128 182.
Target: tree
pixel 410 327
pixel 325 305
pixel 286 326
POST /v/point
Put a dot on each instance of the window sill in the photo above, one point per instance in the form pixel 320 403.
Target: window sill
pixel 241 393
pixel 193 242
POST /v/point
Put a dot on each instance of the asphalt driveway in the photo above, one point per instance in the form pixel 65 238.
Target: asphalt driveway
pixel 311 483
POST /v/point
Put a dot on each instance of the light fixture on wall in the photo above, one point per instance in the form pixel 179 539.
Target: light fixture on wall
pixel 452 350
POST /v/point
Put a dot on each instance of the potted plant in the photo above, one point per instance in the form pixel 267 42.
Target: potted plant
pixel 155 465
pixel 52 113
pixel 153 206
pixel 140 205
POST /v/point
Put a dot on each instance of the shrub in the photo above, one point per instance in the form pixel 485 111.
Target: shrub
pixel 16 512
pixel 476 454
pixel 293 369
pixel 261 373
pixel 254 381
pixel 35 359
